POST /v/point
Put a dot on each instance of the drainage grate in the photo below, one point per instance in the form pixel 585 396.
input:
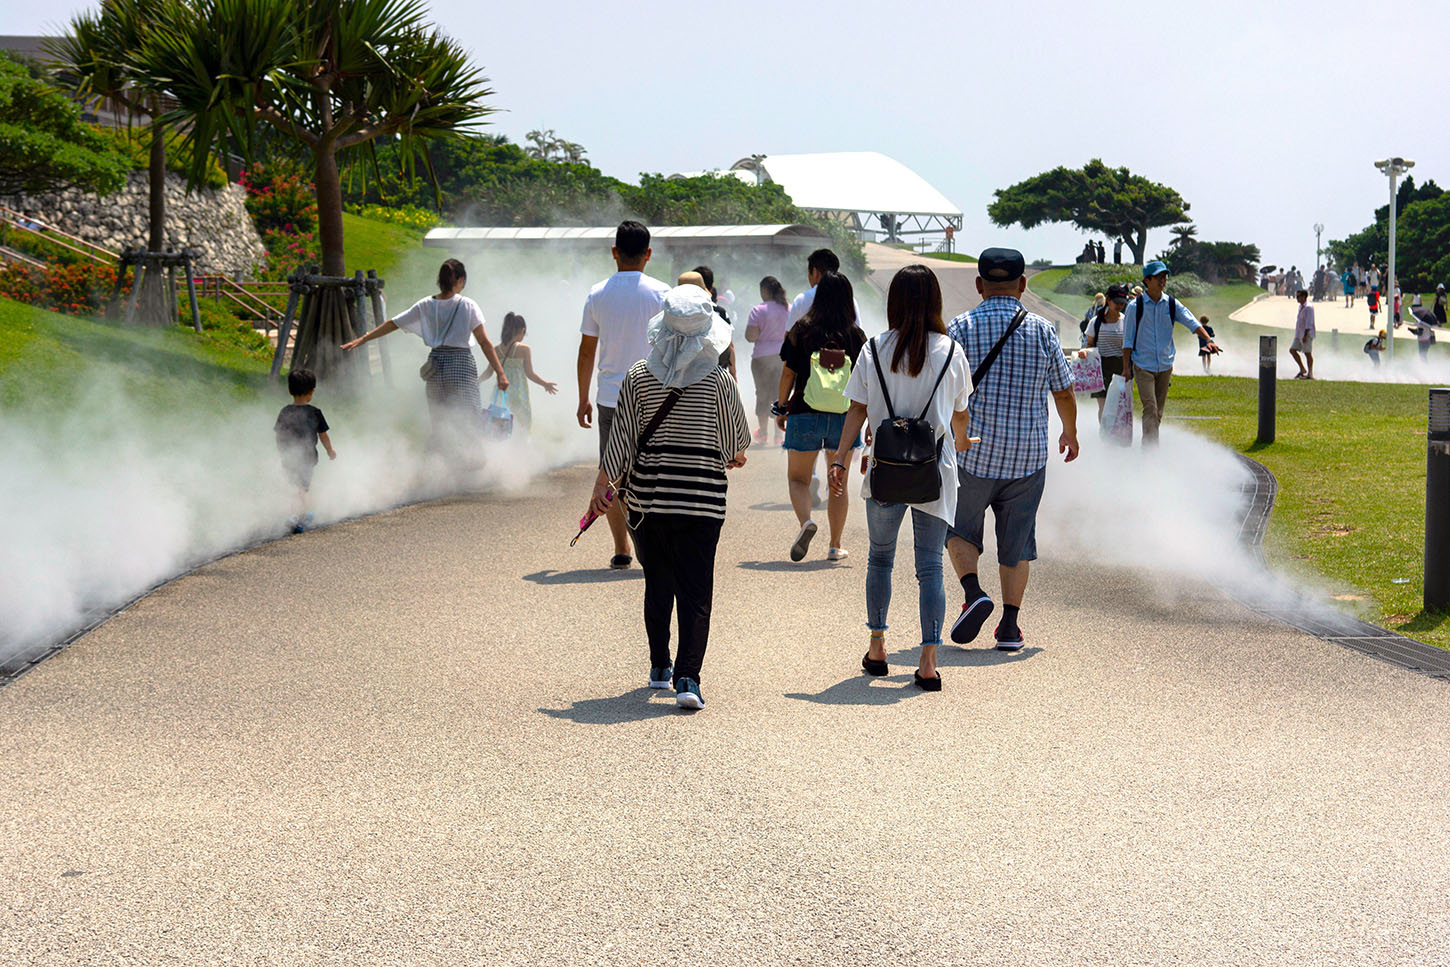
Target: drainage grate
pixel 1314 615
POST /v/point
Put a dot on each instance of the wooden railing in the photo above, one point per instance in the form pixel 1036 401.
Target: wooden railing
pixel 11 220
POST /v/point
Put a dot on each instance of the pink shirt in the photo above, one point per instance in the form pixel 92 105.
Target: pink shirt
pixel 773 320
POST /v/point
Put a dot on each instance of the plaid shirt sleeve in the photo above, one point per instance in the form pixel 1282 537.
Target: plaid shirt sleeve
pixel 1059 377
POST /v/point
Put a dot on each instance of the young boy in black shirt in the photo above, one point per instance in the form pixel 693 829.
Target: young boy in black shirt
pixel 298 428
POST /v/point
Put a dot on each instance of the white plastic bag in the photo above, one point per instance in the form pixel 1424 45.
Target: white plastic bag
pixel 1087 373
pixel 1118 412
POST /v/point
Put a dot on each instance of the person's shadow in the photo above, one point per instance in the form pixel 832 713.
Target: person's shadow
pixel 635 705
pixel 584 576
pixel 863 689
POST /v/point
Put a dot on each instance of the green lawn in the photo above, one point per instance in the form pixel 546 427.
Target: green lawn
pixel 949 256
pixel 49 361
pixel 1350 458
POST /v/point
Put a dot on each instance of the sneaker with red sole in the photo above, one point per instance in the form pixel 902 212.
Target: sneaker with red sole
pixel 969 622
pixel 1009 644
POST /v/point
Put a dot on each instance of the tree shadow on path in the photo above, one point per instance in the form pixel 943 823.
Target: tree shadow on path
pixel 585 576
pixel 635 705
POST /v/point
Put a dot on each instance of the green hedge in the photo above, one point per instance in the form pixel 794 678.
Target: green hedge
pixel 1090 279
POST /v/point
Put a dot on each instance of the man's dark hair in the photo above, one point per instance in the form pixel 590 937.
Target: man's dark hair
pixel 300 382
pixel 706 275
pixel 631 239
pixel 823 260
pixel 1303 292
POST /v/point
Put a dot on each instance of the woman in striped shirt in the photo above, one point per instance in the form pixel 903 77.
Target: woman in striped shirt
pixel 675 497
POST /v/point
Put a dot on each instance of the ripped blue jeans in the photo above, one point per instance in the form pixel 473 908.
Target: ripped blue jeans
pixel 883 523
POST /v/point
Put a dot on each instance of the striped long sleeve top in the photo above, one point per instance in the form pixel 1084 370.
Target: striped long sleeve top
pixel 681 468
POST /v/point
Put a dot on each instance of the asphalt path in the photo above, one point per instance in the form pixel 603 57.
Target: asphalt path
pixel 423 738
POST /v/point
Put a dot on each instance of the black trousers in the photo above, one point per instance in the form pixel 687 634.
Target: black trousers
pixel 677 554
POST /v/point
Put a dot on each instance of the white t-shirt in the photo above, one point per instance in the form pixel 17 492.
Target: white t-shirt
pixel 802 305
pixel 909 397
pixel 442 322
pixel 618 312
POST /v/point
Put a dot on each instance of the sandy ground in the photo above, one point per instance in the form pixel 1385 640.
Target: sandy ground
pixel 423 738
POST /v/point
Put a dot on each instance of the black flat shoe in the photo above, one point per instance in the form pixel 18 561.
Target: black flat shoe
pixel 620 561
pixel 874 667
pixel 927 684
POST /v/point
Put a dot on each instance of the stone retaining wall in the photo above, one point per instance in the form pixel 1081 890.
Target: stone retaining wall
pixel 214 221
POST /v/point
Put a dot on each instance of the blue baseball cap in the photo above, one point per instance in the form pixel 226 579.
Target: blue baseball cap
pixel 1155 267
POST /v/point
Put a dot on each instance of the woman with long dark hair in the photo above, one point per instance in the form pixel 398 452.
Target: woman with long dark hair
pixel 913 371
pixel 445 322
pixel 818 354
pixel 766 328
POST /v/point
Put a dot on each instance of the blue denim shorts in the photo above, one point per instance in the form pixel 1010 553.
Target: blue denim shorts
pixel 1014 510
pixel 813 432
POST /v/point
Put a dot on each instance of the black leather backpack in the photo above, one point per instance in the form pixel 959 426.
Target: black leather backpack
pixel 906 451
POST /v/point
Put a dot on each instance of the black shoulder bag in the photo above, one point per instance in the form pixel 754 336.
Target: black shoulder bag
pixel 906 451
pixel 623 488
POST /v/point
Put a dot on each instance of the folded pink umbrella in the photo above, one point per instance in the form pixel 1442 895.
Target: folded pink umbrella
pixel 590 517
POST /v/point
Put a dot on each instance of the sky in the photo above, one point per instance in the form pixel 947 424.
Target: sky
pixel 1266 117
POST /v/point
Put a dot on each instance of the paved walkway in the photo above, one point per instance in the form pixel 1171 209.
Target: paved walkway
pixel 1281 312
pixel 421 738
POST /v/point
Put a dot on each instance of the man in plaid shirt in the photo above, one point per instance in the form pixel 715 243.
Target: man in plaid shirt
pixel 1006 470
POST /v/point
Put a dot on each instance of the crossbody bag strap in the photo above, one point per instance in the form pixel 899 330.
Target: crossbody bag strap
pixel 657 419
pixel 951 350
pixel 881 378
pixel 986 364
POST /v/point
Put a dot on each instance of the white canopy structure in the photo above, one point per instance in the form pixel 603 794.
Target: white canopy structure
pixel 876 195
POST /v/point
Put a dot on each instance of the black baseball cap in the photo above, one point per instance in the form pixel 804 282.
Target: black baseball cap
pixel 1000 265
pixel 1117 291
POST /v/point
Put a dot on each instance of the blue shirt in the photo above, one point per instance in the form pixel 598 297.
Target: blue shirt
pixel 1152 343
pixel 1009 408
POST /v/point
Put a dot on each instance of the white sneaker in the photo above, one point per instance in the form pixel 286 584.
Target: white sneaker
pixel 837 554
pixel 803 541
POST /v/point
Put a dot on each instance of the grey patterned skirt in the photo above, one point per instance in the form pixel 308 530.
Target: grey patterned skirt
pixel 453 387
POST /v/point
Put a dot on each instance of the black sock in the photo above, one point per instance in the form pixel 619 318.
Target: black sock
pixel 971 587
pixel 1007 628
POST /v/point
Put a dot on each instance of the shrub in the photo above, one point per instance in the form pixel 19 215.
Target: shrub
pixel 411 217
pixel 81 289
pixel 279 199
pixel 1092 278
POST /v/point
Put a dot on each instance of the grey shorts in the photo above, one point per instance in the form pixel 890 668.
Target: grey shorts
pixel 1014 509
pixel 604 416
pixel 1305 345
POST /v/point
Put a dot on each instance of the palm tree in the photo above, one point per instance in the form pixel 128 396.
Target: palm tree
pixel 333 76
pixel 99 56
pixel 1182 234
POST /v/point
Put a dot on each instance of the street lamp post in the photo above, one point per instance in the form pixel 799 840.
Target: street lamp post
pixel 1394 167
pixel 1318 268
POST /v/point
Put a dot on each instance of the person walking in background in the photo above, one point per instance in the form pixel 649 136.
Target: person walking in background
pixel 518 368
pixel 1303 337
pixel 1346 280
pixel 1374 276
pixel 1372 301
pixel 1204 337
pixel 1374 346
pixel 1099 301
pixel 1426 336
pixel 1105 334
pixel 615 331
pixel 818 354
pixel 707 277
pixel 678 426
pixel 1016 362
pixel 298 429
pixel 1148 349
pixel 914 371
pixel 1102 253
pixel 1437 308
pixel 446 322
pixel 766 328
